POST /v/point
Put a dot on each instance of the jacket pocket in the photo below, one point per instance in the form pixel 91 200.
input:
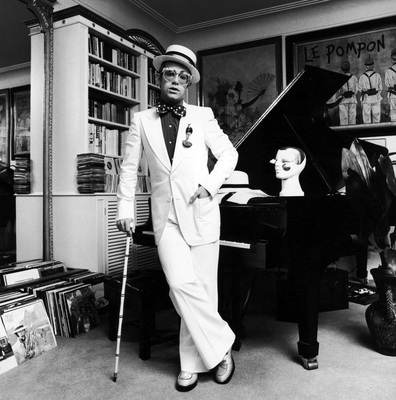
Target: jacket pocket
pixel 203 207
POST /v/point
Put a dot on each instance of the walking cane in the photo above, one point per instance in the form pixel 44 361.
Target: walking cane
pixel 121 315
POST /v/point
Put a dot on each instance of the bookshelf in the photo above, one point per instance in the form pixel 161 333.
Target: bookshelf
pixel 100 78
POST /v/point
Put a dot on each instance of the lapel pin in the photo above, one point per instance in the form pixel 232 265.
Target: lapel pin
pixel 189 131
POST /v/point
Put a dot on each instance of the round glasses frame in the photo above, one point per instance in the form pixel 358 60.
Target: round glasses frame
pixel 183 78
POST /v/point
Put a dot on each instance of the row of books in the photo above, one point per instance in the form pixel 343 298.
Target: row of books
pixel 103 140
pixel 153 96
pixel 109 111
pixel 101 49
pixel 22 175
pixel 111 81
pixel 153 77
pixel 97 173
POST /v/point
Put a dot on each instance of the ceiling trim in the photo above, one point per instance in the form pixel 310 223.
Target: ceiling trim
pixel 232 18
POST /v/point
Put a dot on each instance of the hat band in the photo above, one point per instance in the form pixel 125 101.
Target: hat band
pixel 234 186
pixel 170 53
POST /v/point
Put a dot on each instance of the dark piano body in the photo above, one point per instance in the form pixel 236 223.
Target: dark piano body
pixel 305 234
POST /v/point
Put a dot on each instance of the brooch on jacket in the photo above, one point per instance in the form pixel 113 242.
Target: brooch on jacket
pixel 189 131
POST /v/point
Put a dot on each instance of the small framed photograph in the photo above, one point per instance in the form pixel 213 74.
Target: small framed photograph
pixel 21 121
pixel 239 82
pixel 5 127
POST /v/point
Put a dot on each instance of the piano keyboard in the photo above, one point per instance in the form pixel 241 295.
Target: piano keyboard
pixel 226 243
pixel 239 245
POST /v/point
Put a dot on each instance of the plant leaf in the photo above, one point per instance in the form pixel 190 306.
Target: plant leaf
pixel 387 169
pixel 361 157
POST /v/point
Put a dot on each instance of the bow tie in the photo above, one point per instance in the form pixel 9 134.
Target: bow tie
pixel 178 110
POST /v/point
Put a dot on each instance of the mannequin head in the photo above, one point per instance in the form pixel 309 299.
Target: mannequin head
pixel 289 163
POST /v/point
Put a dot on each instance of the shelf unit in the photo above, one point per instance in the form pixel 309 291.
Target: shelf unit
pixel 100 78
pixel 87 77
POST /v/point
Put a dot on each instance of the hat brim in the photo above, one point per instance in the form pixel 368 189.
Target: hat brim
pixel 159 60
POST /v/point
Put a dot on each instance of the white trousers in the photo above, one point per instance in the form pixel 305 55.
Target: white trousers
pixel 191 273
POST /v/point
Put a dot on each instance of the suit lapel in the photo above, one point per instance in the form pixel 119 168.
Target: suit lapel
pixel 153 130
pixel 181 135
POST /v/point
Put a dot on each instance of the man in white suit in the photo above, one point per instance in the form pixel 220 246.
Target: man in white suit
pixel 176 138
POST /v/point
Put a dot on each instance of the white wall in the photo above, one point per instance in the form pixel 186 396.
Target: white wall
pixel 321 16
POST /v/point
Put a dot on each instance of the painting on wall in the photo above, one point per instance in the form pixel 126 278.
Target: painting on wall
pixel 240 82
pixel 21 121
pixel 367 53
pixel 4 127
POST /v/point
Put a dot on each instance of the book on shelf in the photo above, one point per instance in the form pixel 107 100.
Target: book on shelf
pixel 102 140
pixel 29 330
pixel 111 112
pixel 103 78
pixel 114 55
pixel 7 357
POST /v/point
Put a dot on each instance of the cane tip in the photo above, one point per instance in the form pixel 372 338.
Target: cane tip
pixel 114 379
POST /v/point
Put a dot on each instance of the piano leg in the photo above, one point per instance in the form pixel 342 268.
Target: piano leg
pixel 307 298
pixel 230 291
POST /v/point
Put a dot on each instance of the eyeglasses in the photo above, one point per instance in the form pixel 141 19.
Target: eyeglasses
pixel 283 161
pixel 182 77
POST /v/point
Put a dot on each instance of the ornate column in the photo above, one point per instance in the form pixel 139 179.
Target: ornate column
pixel 43 10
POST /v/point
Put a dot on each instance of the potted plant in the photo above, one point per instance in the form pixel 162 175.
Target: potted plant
pixel 371 189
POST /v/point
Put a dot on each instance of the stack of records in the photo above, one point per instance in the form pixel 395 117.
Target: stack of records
pixel 91 173
pixel 22 175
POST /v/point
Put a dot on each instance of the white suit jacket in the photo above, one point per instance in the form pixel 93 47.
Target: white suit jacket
pixel 200 221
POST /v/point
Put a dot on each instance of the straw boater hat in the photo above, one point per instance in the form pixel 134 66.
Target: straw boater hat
pixel 181 55
pixel 19 328
pixel 238 180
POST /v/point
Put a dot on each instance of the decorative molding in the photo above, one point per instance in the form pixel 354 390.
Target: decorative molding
pixel 15 67
pixel 43 10
pixel 218 21
pixel 145 40
pixel 137 36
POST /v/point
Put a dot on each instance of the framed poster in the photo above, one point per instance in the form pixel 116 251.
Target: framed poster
pixel 367 53
pixel 4 127
pixel 239 83
pixel 20 121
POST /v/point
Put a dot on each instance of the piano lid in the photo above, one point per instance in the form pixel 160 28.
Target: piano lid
pixel 296 118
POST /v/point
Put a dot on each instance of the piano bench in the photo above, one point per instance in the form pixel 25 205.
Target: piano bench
pixel 146 294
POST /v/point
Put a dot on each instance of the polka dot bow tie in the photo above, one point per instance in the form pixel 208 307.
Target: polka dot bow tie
pixel 178 110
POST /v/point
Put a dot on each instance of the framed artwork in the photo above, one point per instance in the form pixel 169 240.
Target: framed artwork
pixel 240 82
pixel 20 121
pixel 367 102
pixel 5 127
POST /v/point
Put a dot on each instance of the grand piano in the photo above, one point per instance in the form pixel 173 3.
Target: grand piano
pixel 304 234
